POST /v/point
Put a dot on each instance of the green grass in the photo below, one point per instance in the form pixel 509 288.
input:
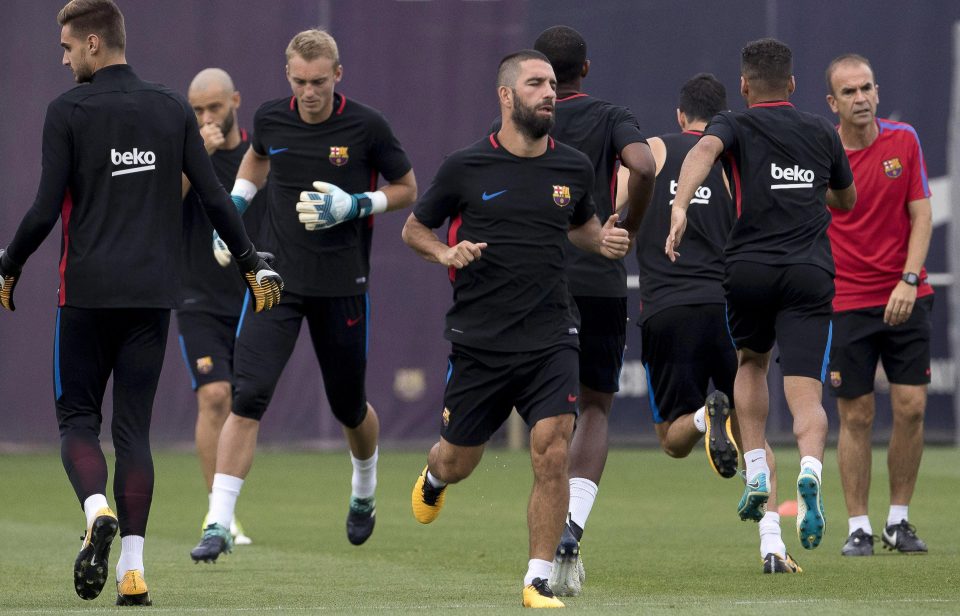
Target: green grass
pixel 664 538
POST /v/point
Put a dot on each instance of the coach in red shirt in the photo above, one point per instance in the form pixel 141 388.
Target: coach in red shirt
pixel 882 303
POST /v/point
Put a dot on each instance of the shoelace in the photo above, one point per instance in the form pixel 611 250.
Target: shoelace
pixel 542 587
pixel 907 528
pixel 430 493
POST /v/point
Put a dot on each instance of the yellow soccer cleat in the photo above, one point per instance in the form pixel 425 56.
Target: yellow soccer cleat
pixel 427 500
pixel 538 594
pixel 722 452
pixel 774 563
pixel 132 590
pixel 92 564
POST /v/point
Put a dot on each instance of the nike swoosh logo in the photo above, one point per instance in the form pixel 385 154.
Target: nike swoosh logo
pixel 754 485
pixel 352 322
pixel 263 274
pixel 571 398
pixel 891 538
pixel 487 197
pixel 273 151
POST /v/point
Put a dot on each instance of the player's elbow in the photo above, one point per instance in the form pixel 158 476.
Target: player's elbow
pixel 408 233
pixel 847 198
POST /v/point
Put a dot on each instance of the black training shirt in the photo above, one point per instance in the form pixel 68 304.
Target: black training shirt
pixel 349 149
pixel 780 161
pixel 515 298
pixel 697 275
pixel 113 152
pixel 208 287
pixel 600 130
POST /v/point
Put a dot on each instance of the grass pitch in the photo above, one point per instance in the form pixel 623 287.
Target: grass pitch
pixel 664 538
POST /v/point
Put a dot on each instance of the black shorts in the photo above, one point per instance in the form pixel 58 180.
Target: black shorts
pixel 683 349
pixel 339 328
pixel 603 336
pixel 484 386
pixel 860 338
pixel 787 304
pixel 206 342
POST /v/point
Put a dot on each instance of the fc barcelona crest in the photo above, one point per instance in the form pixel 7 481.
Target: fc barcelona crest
pixel 205 365
pixel 892 168
pixel 561 195
pixel 835 379
pixel 339 155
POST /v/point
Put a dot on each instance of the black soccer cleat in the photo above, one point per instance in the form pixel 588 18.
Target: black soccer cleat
pixel 361 519
pixel 216 540
pixel 722 452
pixel 859 543
pixel 774 563
pixel 92 565
pixel 903 538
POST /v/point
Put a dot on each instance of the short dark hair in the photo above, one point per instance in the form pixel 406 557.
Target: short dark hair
pixel 566 50
pixel 702 97
pixel 510 66
pixel 767 61
pixel 100 17
pixel 847 58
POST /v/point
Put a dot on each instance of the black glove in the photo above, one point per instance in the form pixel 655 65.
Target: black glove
pixel 264 283
pixel 9 273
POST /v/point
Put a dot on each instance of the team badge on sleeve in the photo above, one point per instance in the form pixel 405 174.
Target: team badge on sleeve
pixel 561 195
pixel 835 379
pixel 892 168
pixel 339 155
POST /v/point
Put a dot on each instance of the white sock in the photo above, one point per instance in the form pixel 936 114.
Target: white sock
pixel 859 521
pixel 226 489
pixel 756 460
pixel 434 481
pixel 537 568
pixel 770 538
pixel 897 513
pixel 583 493
pixel 95 503
pixel 813 464
pixel 364 481
pixel 131 555
pixel 700 419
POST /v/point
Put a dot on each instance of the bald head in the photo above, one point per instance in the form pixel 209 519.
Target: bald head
pixel 212 79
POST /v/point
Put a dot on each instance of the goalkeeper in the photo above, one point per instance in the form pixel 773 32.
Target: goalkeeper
pixel 322 241
pixel 113 151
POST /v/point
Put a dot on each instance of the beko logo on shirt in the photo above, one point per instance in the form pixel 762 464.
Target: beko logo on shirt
pixel 145 161
pixel 702 195
pixel 801 178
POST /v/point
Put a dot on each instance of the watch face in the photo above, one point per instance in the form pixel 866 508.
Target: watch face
pixel 911 279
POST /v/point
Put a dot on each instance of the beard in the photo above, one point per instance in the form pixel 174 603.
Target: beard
pixel 528 122
pixel 81 70
pixel 228 122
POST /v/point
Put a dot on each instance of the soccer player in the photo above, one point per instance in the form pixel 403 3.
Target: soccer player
pixel 883 303
pixel 113 152
pixel 512 199
pixel 212 295
pixel 685 341
pixel 608 135
pixel 785 166
pixel 316 136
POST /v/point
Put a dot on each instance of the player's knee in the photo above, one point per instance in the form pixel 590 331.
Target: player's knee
pixel 550 459
pixel 857 418
pixel 215 399
pixel 910 413
pixel 350 416
pixel 673 451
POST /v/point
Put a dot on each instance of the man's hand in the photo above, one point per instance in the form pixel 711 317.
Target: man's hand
pixel 461 255
pixel 220 251
pixel 614 241
pixel 678 224
pixel 212 136
pixel 330 206
pixel 265 284
pixel 900 305
pixel 9 273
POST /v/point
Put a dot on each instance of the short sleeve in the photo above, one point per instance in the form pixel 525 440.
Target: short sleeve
pixel 626 130
pixel 722 127
pixel 442 198
pixel 841 176
pixel 585 208
pixel 919 183
pixel 255 142
pixel 387 154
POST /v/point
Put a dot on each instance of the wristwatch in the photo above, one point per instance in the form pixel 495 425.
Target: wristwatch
pixel 910 278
